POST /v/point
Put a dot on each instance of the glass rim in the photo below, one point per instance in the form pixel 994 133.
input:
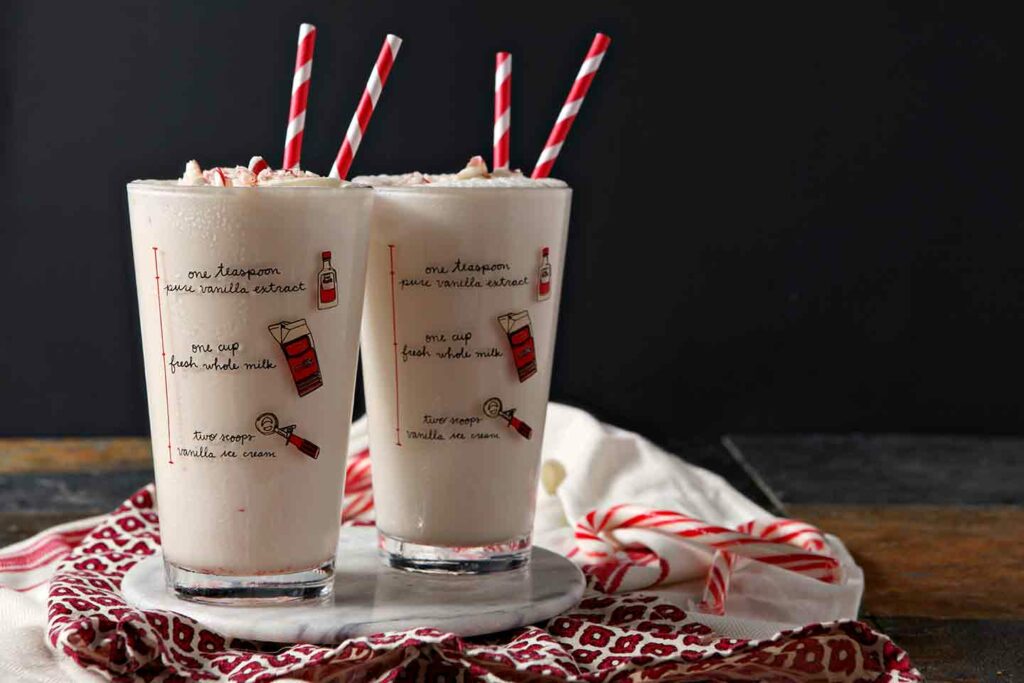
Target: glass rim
pixel 171 187
pixel 467 189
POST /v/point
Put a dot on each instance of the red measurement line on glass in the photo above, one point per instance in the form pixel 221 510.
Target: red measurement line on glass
pixel 163 356
pixel 394 345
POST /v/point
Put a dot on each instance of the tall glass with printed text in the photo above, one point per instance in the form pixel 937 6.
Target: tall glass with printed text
pixel 249 303
pixel 457 346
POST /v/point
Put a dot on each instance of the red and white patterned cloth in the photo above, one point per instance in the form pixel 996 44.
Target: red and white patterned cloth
pixel 666 633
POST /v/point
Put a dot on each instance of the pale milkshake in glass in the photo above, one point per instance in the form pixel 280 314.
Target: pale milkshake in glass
pixel 250 295
pixel 463 284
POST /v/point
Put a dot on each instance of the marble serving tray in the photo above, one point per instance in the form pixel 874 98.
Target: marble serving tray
pixel 372 598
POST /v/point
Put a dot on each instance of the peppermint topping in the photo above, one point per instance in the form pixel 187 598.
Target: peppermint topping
pixel 257 173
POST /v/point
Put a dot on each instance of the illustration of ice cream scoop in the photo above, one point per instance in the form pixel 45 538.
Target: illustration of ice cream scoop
pixel 493 408
pixel 268 424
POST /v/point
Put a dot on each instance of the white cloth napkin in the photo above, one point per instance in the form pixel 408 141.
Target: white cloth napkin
pixel 603 466
pixel 24 653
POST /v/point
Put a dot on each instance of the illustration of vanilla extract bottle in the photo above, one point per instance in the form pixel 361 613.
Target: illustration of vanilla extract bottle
pixel 327 284
pixel 544 279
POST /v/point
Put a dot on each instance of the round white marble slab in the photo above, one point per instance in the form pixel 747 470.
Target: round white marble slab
pixel 370 597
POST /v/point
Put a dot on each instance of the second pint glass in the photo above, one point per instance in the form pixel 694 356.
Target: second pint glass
pixel 457 343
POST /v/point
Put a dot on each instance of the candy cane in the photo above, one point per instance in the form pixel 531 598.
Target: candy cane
pixel 800 534
pixel 787 544
pixel 716 585
pixel 358 504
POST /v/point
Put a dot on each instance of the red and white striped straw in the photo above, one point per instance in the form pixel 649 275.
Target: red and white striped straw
pixel 300 96
pixel 367 103
pixel 502 108
pixel 572 106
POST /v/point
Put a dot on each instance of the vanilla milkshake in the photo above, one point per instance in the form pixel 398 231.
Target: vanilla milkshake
pixel 250 376
pixel 463 282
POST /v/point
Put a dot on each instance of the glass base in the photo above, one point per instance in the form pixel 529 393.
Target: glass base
pixel 314 584
pixel 435 559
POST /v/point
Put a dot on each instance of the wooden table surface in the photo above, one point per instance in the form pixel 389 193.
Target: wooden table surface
pixel 937 523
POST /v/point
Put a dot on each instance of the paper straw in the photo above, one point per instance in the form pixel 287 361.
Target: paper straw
pixel 572 106
pixel 300 95
pixel 367 103
pixel 502 108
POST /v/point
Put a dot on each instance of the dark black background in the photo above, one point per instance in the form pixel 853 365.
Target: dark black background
pixel 788 216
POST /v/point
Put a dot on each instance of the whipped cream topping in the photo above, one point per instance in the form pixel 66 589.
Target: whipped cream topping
pixel 257 174
pixel 475 174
